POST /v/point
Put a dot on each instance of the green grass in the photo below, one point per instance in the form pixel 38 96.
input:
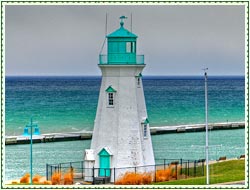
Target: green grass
pixel 228 171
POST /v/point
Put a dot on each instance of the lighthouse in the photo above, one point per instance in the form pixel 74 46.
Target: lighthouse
pixel 121 136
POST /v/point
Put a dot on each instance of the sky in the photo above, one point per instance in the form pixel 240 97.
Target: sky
pixel 175 40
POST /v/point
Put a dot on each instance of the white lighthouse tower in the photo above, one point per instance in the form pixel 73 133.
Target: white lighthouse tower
pixel 121 136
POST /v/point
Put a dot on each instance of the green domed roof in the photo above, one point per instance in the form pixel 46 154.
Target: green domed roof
pixel 122 32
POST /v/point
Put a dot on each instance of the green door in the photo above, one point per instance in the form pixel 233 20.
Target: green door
pixel 104 163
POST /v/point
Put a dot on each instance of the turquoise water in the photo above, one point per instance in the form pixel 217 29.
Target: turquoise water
pixel 65 104
pixel 61 104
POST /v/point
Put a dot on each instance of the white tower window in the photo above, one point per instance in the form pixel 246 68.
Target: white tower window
pixel 110 96
pixel 145 131
pixel 110 99
pixel 138 80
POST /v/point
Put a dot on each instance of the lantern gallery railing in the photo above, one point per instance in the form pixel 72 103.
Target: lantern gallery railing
pixel 121 58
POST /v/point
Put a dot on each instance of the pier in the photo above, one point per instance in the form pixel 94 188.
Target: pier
pixel 84 135
pixel 196 127
pixel 46 138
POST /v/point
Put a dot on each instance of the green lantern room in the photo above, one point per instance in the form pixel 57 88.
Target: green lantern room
pixel 121 48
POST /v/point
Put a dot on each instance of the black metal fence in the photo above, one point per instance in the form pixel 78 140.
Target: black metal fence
pixel 62 168
pixel 183 168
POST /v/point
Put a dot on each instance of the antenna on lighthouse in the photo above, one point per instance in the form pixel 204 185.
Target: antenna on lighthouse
pixel 106 30
pixel 106 25
pixel 131 22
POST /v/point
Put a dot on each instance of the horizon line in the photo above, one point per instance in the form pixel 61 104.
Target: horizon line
pixel 143 75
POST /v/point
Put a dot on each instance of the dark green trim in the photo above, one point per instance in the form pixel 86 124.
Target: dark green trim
pixel 139 75
pixel 104 152
pixel 110 89
pixel 146 121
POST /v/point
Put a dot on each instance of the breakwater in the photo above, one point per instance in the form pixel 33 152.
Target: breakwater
pixel 84 135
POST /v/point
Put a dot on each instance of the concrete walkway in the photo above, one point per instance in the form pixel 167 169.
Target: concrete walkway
pixel 233 183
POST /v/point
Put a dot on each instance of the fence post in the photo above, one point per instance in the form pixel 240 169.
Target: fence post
pixel 203 167
pixel 60 166
pixel 114 175
pixel 93 173
pixel 176 169
pixel 51 172
pixel 164 164
pixel 188 167
pixel 155 173
pixel 181 166
pixel 47 174
pixel 195 168
pixel 82 168
pixel 135 170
